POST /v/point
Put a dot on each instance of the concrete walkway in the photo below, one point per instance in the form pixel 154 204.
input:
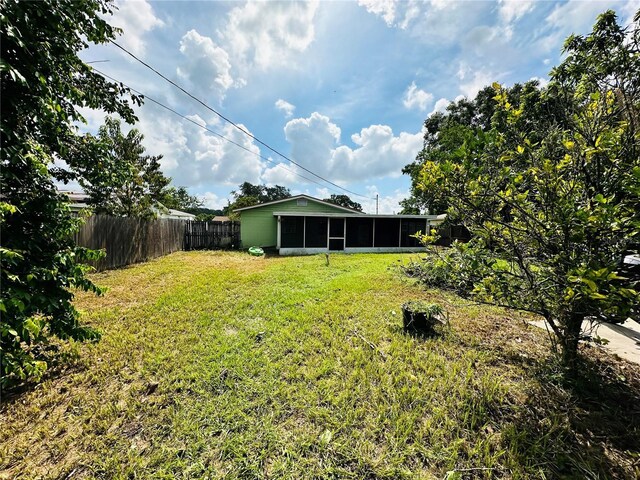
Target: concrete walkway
pixel 624 339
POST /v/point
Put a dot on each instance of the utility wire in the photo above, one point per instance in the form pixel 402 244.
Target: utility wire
pixel 146 97
pixel 232 122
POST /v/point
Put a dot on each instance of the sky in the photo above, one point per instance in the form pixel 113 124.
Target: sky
pixel 341 88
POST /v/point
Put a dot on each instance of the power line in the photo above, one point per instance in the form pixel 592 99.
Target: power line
pixel 232 122
pixel 146 97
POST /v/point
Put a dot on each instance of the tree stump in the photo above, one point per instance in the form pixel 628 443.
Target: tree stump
pixel 421 317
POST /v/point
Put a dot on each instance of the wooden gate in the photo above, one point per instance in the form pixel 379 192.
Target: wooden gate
pixel 211 235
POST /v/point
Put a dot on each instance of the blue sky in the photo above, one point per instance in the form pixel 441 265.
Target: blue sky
pixel 342 88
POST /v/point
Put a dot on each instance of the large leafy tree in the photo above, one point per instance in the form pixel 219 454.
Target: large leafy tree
pixel 446 132
pixel 124 181
pixel 554 205
pixel 43 82
pixel 344 201
pixel 249 194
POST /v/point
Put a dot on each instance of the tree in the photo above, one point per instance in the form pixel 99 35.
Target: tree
pixel 553 205
pixel 248 195
pixel 43 82
pixel 445 132
pixel 261 192
pixel 179 199
pixel 344 201
pixel 125 182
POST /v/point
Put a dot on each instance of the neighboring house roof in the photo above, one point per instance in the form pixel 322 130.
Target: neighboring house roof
pixel 296 197
pixel 78 200
pixel 220 218
pixel 177 214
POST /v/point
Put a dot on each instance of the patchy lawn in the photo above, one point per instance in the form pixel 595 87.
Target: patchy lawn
pixel 222 365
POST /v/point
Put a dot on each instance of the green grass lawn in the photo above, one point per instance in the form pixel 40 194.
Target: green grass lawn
pixel 222 365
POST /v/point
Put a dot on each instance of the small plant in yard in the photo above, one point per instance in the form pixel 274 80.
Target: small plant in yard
pixel 419 316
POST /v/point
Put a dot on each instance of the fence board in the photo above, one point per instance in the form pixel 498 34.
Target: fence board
pixel 211 235
pixel 130 240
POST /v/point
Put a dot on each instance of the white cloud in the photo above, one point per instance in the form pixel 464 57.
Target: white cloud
pixel 386 9
pixel 441 21
pixel 286 107
pixel 440 106
pixel 415 97
pixel 387 204
pixel 282 175
pixel 266 34
pixel 479 80
pixel 315 144
pixel 206 65
pixel 136 19
pixel 213 201
pixel 577 16
pixel 511 10
pixel 194 156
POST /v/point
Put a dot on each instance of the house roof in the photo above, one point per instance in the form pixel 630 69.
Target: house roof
pixel 431 218
pixel 173 213
pixel 295 197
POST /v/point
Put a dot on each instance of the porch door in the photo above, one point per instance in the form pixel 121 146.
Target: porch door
pixel 336 234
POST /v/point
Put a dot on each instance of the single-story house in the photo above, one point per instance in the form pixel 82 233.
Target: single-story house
pixel 307 225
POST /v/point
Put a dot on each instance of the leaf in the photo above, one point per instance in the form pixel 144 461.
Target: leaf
pixel 326 437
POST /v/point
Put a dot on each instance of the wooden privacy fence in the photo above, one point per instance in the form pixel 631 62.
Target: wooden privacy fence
pixel 130 240
pixel 211 235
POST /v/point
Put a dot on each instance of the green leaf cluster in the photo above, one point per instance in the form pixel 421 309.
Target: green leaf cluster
pixel 43 83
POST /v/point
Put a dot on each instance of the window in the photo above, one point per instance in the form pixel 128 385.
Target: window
pixel 411 227
pixel 302 202
pixel 359 232
pixel 387 232
pixel 316 232
pixel 336 228
pixel 292 232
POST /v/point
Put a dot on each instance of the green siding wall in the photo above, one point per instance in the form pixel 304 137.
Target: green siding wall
pixel 258 226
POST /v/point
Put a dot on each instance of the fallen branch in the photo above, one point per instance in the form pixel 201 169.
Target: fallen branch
pixel 371 344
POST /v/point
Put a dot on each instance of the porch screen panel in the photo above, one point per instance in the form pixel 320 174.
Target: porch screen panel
pixel 411 227
pixel 359 232
pixel 291 232
pixel 316 232
pixel 387 232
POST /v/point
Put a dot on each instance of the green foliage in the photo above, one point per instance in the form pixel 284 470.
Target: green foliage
pixel 552 203
pixel 446 133
pixel 344 201
pixel 124 182
pixel 179 199
pixel 43 82
pixel 248 195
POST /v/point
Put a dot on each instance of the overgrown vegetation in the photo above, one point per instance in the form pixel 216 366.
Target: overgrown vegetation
pixel 548 182
pixel 43 82
pixel 222 365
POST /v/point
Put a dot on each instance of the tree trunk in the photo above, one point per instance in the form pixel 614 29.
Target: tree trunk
pixel 569 341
